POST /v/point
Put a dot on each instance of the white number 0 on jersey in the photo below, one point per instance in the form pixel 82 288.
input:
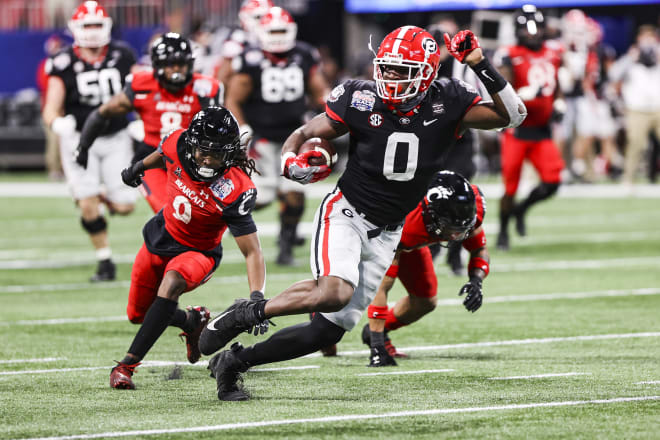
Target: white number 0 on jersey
pixel 393 142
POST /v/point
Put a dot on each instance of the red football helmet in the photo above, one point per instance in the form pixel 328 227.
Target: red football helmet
pixel 411 52
pixel 251 12
pixel 90 25
pixel 277 31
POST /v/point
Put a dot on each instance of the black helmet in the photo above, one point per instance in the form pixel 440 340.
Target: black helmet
pixel 449 209
pixel 167 50
pixel 530 26
pixel 212 133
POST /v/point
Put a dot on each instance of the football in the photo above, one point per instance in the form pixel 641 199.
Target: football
pixel 329 153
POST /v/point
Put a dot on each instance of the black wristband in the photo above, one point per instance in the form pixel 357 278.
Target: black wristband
pixel 93 127
pixel 489 76
pixel 138 168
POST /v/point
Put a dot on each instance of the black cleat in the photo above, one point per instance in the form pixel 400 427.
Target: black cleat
pixel 391 349
pixel 503 241
pixel 379 357
pixel 226 367
pixel 238 318
pixel 200 316
pixel 519 215
pixel 106 271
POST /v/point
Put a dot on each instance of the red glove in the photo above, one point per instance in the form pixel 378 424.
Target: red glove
pixel 298 169
pixel 462 44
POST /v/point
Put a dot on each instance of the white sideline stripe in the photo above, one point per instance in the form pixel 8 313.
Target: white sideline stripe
pixel 30 361
pixel 504 343
pixel 393 373
pixel 318 190
pixel 398 414
pixel 648 382
pixel 202 364
pixel 444 302
pixel 539 376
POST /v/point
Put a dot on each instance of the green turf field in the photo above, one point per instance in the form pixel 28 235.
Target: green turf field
pixel 566 345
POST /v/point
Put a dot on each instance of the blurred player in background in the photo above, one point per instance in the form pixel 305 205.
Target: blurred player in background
pixel 403 113
pixel 452 211
pixel 82 77
pixel 166 98
pixel 270 91
pixel 208 190
pixel 531 67
pixel 249 15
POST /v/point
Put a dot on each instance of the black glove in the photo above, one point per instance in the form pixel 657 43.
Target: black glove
pixel 474 297
pixel 262 327
pixel 81 155
pixel 132 176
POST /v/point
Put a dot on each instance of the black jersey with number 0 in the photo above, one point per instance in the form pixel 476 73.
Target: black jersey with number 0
pixel 393 157
pixel 88 85
pixel 279 84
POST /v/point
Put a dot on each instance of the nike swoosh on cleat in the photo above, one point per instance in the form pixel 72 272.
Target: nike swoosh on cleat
pixel 211 325
pixel 429 122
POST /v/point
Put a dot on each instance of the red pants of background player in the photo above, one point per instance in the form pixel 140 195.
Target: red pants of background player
pixel 543 154
pixel 149 269
pixel 417 274
pixel 154 188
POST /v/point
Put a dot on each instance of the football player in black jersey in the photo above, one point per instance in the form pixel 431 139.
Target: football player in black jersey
pixel 82 77
pixel 400 125
pixel 268 94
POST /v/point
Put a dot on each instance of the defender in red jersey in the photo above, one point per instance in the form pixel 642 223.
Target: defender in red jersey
pixel 166 99
pixel 208 190
pixel 531 67
pixel 452 211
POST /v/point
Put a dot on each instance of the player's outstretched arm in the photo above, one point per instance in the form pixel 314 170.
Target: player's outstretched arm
pixel 507 109
pixel 96 122
pixel 254 260
pixel 478 269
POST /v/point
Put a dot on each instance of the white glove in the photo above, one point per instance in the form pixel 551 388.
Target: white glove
pixel 64 125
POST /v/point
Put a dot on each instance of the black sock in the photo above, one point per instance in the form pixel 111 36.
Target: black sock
pixel 293 342
pixel 155 322
pixel 180 319
pixel 541 192
pixel 377 339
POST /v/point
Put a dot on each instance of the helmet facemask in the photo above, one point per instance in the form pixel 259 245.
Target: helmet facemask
pixel 168 51
pixel 277 31
pixel 412 74
pixel 90 25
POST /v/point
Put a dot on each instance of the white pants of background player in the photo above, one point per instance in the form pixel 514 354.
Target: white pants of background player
pixel 341 247
pixel 267 155
pixel 107 157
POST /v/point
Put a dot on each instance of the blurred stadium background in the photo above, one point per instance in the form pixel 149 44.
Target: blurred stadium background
pixel 340 29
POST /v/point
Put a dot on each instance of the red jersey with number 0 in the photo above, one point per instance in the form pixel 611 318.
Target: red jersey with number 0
pixel 196 213
pixel 162 111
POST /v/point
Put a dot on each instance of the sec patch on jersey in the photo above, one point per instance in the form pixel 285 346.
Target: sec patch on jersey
pixel 329 157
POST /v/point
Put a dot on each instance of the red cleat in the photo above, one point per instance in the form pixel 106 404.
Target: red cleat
pixel 192 338
pixel 120 376
pixel 391 349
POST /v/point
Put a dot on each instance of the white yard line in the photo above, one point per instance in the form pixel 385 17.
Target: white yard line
pixel 648 382
pixel 31 361
pixel 504 343
pixel 318 190
pixel 441 303
pixel 408 349
pixel 539 376
pixel 145 364
pixel 398 373
pixel 346 418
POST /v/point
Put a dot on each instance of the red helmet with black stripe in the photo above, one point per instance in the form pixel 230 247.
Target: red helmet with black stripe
pixel 406 64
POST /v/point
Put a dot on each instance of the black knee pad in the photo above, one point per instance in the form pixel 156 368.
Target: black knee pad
pixel 324 331
pixel 94 226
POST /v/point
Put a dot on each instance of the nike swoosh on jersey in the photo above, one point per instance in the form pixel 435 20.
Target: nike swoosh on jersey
pixel 211 325
pixel 429 122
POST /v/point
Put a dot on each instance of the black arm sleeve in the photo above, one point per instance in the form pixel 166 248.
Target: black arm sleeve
pixel 242 225
pixel 93 127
